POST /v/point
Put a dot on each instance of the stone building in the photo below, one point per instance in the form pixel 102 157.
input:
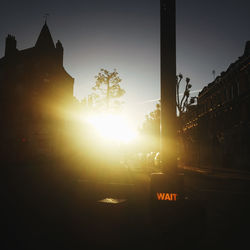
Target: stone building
pixel 34 91
pixel 217 129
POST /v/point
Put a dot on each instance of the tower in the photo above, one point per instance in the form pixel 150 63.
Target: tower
pixel 45 41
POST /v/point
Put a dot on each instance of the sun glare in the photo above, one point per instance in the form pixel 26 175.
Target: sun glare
pixel 113 127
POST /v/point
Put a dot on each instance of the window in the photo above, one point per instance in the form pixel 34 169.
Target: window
pixel 237 88
pixel 225 95
pixel 230 92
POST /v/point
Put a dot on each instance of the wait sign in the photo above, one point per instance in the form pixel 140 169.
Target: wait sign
pixel 166 196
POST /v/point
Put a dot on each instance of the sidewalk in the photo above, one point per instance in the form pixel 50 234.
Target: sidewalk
pixel 222 173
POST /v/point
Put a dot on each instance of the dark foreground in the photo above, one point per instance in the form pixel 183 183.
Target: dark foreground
pixel 44 211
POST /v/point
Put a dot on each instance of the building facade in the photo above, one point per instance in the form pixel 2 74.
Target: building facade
pixel 34 91
pixel 217 129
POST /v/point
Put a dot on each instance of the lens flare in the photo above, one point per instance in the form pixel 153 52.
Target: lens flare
pixel 113 127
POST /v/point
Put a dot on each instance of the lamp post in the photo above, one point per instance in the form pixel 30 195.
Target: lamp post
pixel 171 210
pixel 169 181
pixel 168 87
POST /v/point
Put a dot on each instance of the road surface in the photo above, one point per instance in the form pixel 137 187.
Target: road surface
pixel 42 212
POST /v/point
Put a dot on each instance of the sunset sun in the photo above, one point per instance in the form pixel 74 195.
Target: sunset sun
pixel 113 127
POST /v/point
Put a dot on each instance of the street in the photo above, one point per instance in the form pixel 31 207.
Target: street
pixel 40 214
pixel 227 204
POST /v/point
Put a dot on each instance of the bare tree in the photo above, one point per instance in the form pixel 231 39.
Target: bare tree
pixel 182 102
pixel 152 121
pixel 107 88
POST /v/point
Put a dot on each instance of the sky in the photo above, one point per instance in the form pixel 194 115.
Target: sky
pixel 126 35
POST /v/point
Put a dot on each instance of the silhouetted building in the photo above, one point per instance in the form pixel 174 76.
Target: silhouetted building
pixel 34 91
pixel 217 129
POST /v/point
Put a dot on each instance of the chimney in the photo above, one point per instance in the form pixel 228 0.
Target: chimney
pixel 10 46
pixel 247 49
pixel 59 49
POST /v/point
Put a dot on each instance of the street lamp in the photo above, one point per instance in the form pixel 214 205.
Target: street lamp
pixel 169 182
pixel 168 87
pixel 171 210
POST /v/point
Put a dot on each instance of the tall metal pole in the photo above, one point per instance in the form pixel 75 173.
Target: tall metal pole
pixel 168 87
